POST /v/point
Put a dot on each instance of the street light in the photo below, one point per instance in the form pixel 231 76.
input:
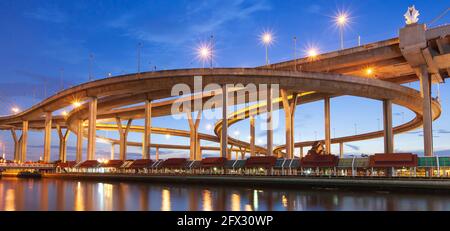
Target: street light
pixel 341 21
pixel 15 110
pixel 267 40
pixel 312 52
pixel 76 103
pixel 204 53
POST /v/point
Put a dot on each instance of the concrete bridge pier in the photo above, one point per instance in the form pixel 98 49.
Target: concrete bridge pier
pixel 92 128
pixel 63 136
pixel 224 132
pixel 47 136
pixel 23 148
pixel 327 125
pixel 146 142
pixel 341 150
pixel 387 121
pixel 289 112
pixel 123 134
pixel 252 136
pixel 113 147
pixel 425 80
pixel 79 153
pixel 193 134
pixel 17 143
pixel 269 121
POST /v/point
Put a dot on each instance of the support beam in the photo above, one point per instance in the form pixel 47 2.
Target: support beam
pixel 16 144
pixel 301 152
pixel 425 80
pixel 327 125
pixel 269 122
pixel 92 128
pixel 79 154
pixel 341 150
pixel 123 134
pixel 63 136
pixel 47 136
pixel 146 143
pixel 289 112
pixel 113 146
pixel 388 132
pixel 252 136
pixel 224 134
pixel 23 148
pixel 157 153
pixel 193 134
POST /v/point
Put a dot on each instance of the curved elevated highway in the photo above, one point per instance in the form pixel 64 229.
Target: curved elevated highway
pixel 418 54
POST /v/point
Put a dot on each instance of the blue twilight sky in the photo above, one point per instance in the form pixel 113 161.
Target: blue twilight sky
pixel 40 41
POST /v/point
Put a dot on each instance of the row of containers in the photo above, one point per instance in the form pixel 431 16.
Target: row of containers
pixel 395 165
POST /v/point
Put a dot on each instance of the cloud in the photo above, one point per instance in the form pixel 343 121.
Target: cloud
pixel 47 14
pixel 209 16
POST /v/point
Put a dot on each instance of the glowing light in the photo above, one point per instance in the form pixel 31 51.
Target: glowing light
pixel 369 71
pixel 64 113
pixel 312 52
pixel 15 109
pixel 341 19
pixel 267 38
pixel 76 103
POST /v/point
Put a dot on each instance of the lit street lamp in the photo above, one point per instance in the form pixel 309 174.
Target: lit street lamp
pixel 341 20
pixel 267 40
pixel 15 110
pixel 204 53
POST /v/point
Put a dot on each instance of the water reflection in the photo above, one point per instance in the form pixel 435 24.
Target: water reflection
pixel 51 194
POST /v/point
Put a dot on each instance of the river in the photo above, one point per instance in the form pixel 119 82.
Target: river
pixel 57 194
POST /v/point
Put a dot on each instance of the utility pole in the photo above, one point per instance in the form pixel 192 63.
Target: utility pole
pixel 211 51
pixel 139 57
pixel 91 60
pixel 295 53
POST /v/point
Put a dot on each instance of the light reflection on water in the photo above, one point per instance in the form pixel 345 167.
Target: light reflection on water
pixel 53 194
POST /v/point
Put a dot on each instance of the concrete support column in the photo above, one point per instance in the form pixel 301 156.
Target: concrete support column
pixel 79 154
pixel 47 136
pixel 269 122
pixel 425 80
pixel 387 121
pixel 341 150
pixel 123 134
pixel 327 125
pixel 224 133
pixel 146 143
pixel 23 148
pixel 301 152
pixel 113 146
pixel 92 128
pixel 157 153
pixel 193 134
pixel 16 144
pixel 252 136
pixel 63 136
pixel 289 112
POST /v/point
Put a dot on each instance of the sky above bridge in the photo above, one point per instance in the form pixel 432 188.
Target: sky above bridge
pixel 48 45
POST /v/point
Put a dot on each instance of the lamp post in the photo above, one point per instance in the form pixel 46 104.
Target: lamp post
pixel 267 39
pixel 341 20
